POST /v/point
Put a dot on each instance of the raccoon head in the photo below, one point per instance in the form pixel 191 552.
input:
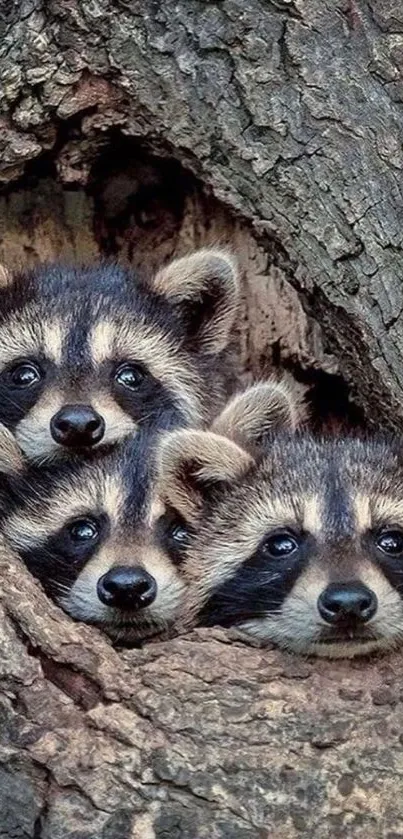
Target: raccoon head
pixel 84 530
pixel 300 543
pixel 87 355
pixel 195 468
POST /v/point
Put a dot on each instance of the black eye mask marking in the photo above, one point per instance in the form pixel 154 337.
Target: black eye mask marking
pixel 174 536
pixel 141 396
pixel 387 543
pixel 260 585
pixel 21 384
pixel 58 562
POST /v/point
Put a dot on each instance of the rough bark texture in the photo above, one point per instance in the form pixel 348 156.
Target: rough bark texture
pixel 195 737
pixel 143 129
pixel 288 112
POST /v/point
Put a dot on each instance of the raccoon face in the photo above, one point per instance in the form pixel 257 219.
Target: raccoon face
pixel 84 530
pixel 89 355
pixel 300 544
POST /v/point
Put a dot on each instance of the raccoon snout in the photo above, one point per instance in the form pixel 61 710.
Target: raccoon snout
pixel 77 426
pixel 347 603
pixel 124 587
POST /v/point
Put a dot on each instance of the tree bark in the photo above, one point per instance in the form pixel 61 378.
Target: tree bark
pixel 288 112
pixel 200 736
pixel 143 129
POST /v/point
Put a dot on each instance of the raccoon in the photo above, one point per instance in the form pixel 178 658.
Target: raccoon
pixel 294 540
pixel 84 529
pixel 96 535
pixel 90 354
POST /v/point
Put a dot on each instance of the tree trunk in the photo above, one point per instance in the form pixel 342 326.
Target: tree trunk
pixel 189 738
pixel 144 129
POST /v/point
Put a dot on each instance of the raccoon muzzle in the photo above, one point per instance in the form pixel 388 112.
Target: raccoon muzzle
pixel 77 426
pixel 128 588
pixel 347 604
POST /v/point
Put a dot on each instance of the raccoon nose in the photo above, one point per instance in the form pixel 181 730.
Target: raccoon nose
pixel 124 587
pixel 350 603
pixel 77 425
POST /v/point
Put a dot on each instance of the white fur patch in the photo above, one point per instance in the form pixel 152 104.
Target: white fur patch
pixel 82 601
pixel 298 626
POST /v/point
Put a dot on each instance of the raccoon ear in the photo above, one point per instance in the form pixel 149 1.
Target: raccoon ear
pixel 261 409
pixel 192 464
pixel 205 288
pixel 11 457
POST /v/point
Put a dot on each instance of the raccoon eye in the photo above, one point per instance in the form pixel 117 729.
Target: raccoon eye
pixel 174 536
pixel 25 375
pixel 83 530
pixel 129 376
pixel 390 542
pixel 280 544
pixel 179 534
